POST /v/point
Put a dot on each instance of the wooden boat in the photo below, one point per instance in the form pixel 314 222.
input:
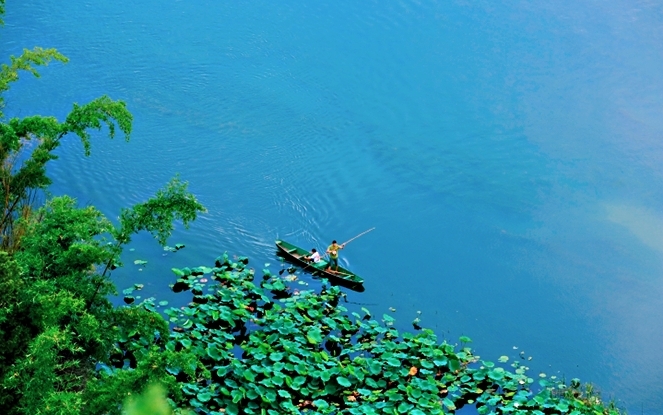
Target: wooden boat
pixel 341 277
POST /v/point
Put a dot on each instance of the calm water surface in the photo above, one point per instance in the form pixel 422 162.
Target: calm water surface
pixel 510 157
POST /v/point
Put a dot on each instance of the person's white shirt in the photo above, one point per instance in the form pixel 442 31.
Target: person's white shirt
pixel 315 257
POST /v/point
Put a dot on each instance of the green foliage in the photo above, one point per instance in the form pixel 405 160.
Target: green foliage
pixel 157 215
pixel 56 321
pixel 277 350
pixel 26 62
pixel 27 144
pixel 151 402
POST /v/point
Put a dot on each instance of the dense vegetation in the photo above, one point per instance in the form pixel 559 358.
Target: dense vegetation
pixel 247 343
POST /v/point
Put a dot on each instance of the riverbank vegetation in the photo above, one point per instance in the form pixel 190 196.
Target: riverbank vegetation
pixel 249 342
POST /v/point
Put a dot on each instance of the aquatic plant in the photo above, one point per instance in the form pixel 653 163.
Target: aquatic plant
pixel 271 349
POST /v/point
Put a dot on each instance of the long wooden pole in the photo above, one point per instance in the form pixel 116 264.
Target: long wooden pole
pixel 361 234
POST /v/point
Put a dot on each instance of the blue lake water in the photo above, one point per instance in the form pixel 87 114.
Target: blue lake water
pixel 510 156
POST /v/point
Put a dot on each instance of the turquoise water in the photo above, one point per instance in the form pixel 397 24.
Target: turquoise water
pixel 510 157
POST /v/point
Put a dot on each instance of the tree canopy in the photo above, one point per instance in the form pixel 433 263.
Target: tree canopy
pixel 56 321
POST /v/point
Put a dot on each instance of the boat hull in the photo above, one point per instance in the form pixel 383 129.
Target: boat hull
pixel 342 277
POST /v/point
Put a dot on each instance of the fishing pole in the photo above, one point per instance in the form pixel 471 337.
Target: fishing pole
pixel 361 234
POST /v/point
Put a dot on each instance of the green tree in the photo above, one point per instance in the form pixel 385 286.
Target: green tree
pixel 27 144
pixel 56 321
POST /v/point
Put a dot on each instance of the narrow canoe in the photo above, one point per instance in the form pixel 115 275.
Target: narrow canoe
pixel 342 277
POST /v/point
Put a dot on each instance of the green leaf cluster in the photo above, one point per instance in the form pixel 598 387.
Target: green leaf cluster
pixel 58 327
pixel 273 349
pixel 56 321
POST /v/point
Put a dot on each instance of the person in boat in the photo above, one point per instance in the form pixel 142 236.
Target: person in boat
pixel 333 255
pixel 314 257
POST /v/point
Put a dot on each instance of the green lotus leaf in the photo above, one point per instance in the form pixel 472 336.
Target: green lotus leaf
pixel 375 367
pixel 314 336
pixel 270 395
pixel 326 375
pixel 321 404
pixel 237 395
pixel 496 374
pixel 215 352
pixel 298 381
pixel 276 356
pixel 427 364
pixel 449 404
pixel 252 394
pixel 284 394
pixel 371 382
pixel 343 381
pixel 278 366
pixel 249 375
pixel 140 262
pixel 231 409
pixel 278 380
pixel 393 362
pixel 204 396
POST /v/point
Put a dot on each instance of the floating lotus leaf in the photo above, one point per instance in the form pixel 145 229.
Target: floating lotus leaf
pixel 204 396
pixel 231 409
pixel 140 262
pixel 454 364
pixel 343 381
pixel 276 356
